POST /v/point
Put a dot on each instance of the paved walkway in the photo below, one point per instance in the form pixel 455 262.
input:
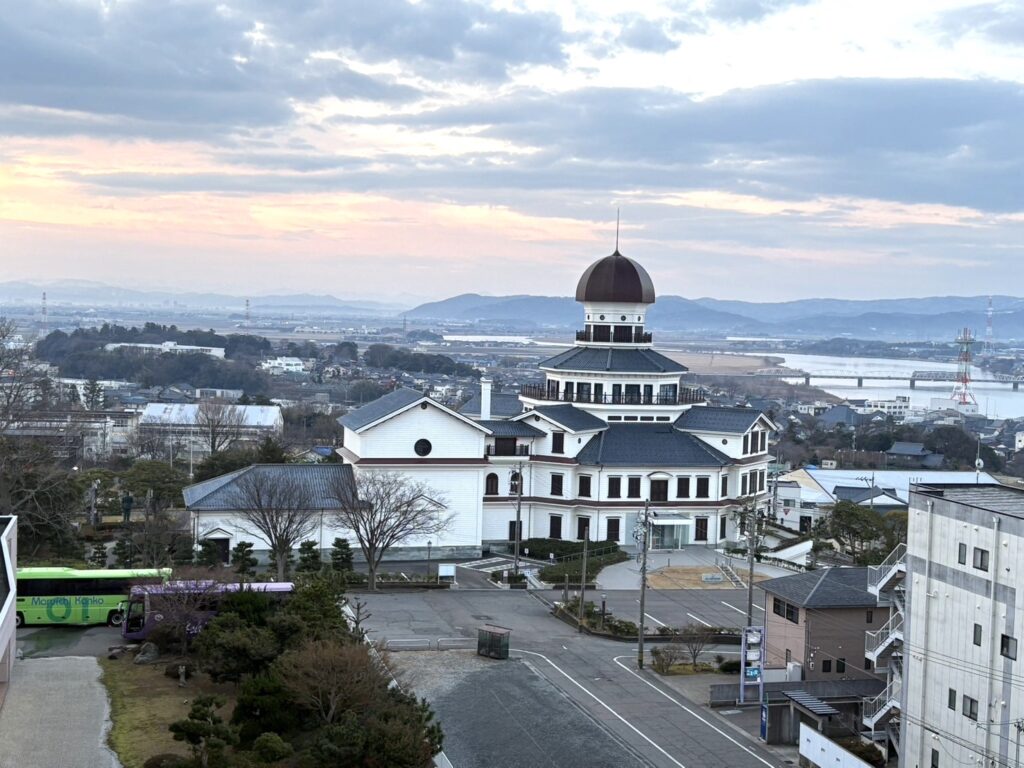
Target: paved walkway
pixel 56 716
pixel 626 575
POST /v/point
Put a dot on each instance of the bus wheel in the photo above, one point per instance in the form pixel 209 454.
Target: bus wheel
pixel 19 619
pixel 115 619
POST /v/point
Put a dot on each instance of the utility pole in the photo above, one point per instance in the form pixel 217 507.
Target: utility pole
pixel 643 534
pixel 519 510
pixel 751 517
pixel 583 579
pixel 1019 725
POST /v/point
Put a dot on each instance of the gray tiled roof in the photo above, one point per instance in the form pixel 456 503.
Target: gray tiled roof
pixel 504 405
pixel 901 448
pixel 569 416
pixel 652 445
pixel 611 359
pixel 506 428
pixel 379 408
pixel 321 481
pixel 712 418
pixel 825 588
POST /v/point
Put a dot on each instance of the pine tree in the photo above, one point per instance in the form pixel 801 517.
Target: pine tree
pixel 94 396
pixel 341 556
pixel 125 554
pixel 206 733
pixel 99 555
pixel 209 554
pixel 183 551
pixel 309 558
pixel 243 560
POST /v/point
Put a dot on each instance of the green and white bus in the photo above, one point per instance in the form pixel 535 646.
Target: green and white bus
pixel 72 596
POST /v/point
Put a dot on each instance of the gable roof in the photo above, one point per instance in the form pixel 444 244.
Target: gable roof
pixel 903 448
pixel 652 445
pixel 322 481
pixel 611 359
pixel 391 404
pixel 383 406
pixel 504 405
pixel 824 588
pixel 568 416
pixel 711 418
pixel 506 428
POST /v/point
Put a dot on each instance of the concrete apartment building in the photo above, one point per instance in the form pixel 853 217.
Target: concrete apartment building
pixel 8 596
pixel 950 649
pixel 817 619
pixel 169 347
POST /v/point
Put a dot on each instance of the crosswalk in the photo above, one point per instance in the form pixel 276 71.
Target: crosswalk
pixel 489 564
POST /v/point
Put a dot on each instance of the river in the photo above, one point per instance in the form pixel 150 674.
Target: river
pixel 995 400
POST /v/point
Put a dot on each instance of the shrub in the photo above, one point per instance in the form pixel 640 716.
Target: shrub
pixel 165 760
pixel 269 747
pixel 867 752
pixel 263 705
pixel 730 667
pixel 665 657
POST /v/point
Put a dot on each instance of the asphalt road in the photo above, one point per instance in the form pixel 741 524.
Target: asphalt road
pixel 659 727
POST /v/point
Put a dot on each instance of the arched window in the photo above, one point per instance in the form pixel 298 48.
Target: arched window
pixel 513 483
pixel 491 485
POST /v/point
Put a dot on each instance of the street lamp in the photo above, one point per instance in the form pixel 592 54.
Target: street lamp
pixel 518 474
pixel 604 597
pixel 642 535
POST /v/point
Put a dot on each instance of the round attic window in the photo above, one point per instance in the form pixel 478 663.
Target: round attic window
pixel 423 406
pixel 724 441
pixel 422 447
pixel 601 317
pixel 623 318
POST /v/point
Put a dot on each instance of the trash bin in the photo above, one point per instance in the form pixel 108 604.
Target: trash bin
pixel 492 641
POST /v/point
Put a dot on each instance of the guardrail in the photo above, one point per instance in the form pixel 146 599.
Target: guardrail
pixel 429 644
pixel 873 707
pixel 875 640
pixel 877 573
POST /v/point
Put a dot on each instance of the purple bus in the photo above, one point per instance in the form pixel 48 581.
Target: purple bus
pixel 194 602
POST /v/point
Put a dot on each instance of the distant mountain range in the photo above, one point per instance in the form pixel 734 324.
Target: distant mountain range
pixel 932 318
pixel 87 292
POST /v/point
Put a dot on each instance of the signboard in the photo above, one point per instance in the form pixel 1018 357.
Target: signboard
pixel 445 569
pixel 712 578
pixel 751 662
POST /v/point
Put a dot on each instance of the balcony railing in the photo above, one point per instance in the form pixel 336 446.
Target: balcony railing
pixel 637 337
pixel 874 641
pixel 500 450
pixel 686 396
pixel 875 709
pixel 878 574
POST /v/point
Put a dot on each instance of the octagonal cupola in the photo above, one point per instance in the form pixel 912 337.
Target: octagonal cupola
pixel 616 293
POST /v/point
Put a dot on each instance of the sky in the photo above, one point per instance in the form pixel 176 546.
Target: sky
pixel 764 150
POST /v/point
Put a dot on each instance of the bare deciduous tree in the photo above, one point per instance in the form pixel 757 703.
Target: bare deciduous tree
pixel 330 677
pixel 279 509
pixel 219 425
pixel 695 638
pixel 19 377
pixel 386 509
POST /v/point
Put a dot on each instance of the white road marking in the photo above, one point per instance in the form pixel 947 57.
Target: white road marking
pixel 659 623
pixel 624 721
pixel 698 618
pixel 689 711
pixel 760 608
pixel 733 607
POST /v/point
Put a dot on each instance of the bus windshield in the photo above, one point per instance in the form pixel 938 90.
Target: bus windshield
pixel 78 596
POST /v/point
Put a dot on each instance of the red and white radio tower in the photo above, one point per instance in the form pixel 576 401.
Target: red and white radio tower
pixel 962 394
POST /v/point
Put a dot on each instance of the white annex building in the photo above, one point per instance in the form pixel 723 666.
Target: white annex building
pixel 612 427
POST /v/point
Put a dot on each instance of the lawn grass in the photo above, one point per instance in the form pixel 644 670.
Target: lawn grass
pixel 143 703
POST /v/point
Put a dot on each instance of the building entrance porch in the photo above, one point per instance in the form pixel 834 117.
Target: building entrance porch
pixel 670 534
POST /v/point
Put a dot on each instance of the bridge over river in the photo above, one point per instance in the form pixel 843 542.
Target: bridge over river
pixel 912 377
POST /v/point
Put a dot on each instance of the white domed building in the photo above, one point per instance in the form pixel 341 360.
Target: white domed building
pixel 611 427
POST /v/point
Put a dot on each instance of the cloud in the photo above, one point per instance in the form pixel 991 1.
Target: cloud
pixel 643 34
pixel 746 11
pixel 998 22
pixel 188 68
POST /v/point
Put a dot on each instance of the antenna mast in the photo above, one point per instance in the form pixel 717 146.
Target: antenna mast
pixel 45 317
pixel 616 230
pixel 962 394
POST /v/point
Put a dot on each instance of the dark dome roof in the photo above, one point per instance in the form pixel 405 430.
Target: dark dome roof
pixel 618 279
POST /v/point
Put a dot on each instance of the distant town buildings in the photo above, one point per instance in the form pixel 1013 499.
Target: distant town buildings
pixel 277 366
pixel 169 347
pixel 201 429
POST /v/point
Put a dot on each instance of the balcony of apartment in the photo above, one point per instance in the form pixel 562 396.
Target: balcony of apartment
pixel 685 396
pixel 889 572
pixel 619 334
pixel 502 449
pixel 882 640
pixel 879 707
